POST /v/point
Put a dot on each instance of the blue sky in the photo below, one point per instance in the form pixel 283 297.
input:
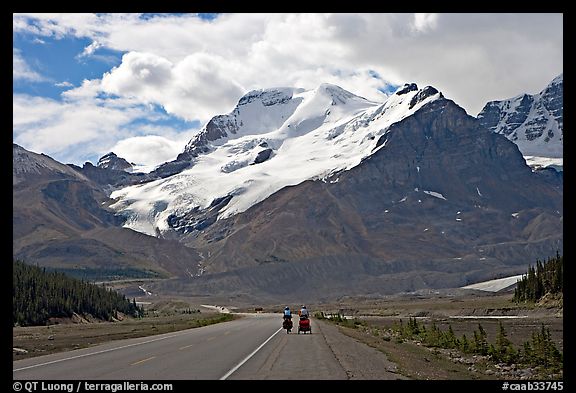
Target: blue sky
pixel 59 64
pixel 59 61
pixel 142 84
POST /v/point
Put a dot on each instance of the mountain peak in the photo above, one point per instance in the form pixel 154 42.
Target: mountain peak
pixel 422 94
pixel 337 94
pixel 559 79
pixel 112 161
pixel 272 139
pixel 534 122
pixel 408 87
pixel 270 96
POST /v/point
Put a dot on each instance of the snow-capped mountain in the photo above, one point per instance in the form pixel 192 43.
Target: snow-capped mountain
pixel 112 161
pixel 435 200
pixel 314 193
pixel 534 122
pixel 272 139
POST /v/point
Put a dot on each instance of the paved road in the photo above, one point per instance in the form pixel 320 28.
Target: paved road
pixel 294 356
pixel 252 347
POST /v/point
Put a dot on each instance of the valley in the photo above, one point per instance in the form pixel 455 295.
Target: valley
pixel 367 323
pixel 320 188
pixel 180 178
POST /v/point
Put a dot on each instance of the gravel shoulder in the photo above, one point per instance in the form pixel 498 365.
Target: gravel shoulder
pixel 359 360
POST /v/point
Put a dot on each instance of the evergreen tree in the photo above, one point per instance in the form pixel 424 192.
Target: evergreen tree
pixel 449 338
pixel 464 344
pixel 38 295
pixel 542 351
pixel 503 349
pixel 546 278
pixel 480 344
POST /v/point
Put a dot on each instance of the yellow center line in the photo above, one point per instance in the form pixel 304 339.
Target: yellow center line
pixel 227 332
pixel 142 361
pixel 210 338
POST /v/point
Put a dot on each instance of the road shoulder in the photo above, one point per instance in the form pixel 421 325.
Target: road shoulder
pixel 359 360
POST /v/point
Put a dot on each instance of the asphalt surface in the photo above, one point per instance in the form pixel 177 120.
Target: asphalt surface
pixel 252 347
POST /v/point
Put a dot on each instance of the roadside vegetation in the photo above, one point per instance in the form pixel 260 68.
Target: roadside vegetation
pixel 533 354
pixel 540 351
pixel 537 358
pixel 34 341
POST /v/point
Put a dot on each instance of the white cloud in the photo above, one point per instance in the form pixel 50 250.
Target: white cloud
pixel 53 126
pixel 21 70
pixel 196 69
pixel 139 74
pixel 150 150
pixel 89 89
pixel 57 25
pixel 423 22
pixel 195 88
pixel 82 125
pixel 472 58
pixel 90 49
pixel 63 84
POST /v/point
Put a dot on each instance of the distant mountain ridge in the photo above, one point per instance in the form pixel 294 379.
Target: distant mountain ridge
pixel 441 202
pixel 320 193
pixel 534 122
pixel 60 219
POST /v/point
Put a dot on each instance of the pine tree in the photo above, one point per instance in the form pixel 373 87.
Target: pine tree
pixel 38 294
pixel 450 340
pixel 480 341
pixel 503 349
pixel 546 278
pixel 464 344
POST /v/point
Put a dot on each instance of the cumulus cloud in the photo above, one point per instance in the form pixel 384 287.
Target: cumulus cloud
pixel 196 69
pixel 195 88
pixel 139 75
pixel 472 58
pixel 84 126
pixel 149 150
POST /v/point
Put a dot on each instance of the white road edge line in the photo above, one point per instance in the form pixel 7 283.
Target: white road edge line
pixel 95 353
pixel 249 356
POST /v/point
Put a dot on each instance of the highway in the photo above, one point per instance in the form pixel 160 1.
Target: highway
pixel 252 347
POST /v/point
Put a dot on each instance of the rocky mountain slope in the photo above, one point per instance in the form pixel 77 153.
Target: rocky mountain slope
pixel 420 196
pixel 112 161
pixel 60 219
pixel 534 122
pixel 305 193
